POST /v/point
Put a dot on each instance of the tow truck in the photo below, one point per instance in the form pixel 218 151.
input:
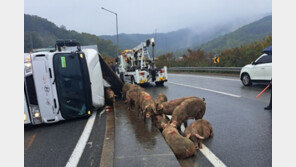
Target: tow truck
pixel 137 67
pixel 65 83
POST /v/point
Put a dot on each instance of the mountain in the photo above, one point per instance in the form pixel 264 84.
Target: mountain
pixel 247 34
pixel 41 33
pixel 180 40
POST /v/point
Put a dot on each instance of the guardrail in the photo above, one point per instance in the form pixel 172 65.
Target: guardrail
pixel 212 69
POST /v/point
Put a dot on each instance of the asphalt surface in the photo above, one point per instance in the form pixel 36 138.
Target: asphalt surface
pixel 52 144
pixel 138 143
pixel 242 129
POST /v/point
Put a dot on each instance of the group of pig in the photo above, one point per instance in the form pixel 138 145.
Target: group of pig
pixel 182 109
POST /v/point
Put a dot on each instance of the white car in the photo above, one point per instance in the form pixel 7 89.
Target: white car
pixel 258 71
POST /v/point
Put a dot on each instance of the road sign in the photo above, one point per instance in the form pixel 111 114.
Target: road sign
pixel 216 60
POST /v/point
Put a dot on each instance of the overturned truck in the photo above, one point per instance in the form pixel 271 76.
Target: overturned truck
pixel 64 83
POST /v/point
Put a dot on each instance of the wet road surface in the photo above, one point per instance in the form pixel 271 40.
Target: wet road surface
pixel 138 143
pixel 242 129
pixel 52 144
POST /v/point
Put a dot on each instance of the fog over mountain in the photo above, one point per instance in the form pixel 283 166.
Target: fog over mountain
pixel 190 37
pixel 139 16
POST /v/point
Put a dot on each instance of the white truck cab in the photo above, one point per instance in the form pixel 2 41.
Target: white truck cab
pixel 62 84
pixel 258 71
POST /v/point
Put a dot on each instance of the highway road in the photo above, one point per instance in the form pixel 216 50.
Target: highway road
pixel 242 128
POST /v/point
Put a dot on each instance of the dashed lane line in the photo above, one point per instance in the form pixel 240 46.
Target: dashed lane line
pixel 78 150
pixel 31 140
pixel 210 90
pixel 211 156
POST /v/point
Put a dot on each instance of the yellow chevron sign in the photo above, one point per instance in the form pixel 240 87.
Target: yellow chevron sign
pixel 216 60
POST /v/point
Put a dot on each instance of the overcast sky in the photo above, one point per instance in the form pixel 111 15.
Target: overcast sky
pixel 139 16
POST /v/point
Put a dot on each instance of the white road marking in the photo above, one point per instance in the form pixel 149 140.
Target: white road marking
pixel 215 91
pixel 211 156
pixel 77 152
pixel 198 76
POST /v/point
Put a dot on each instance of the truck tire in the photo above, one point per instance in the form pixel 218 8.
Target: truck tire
pixel 160 83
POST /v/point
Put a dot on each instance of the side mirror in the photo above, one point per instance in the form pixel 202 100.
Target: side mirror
pixel 253 63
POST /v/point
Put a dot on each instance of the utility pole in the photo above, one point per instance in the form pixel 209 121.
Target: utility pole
pixel 116 29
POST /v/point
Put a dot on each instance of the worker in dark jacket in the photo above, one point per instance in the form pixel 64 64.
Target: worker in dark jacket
pixel 269 107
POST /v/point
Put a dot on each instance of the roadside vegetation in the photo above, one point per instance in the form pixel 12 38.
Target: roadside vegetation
pixel 234 57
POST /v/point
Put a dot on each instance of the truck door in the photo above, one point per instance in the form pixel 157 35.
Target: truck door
pixel 73 84
pixel 43 88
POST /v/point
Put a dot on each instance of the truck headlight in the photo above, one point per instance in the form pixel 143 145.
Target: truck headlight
pixel 36 114
pixel 27 64
pixel 25 117
pixel 35 111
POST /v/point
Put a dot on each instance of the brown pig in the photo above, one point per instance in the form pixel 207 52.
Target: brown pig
pixel 132 98
pixel 168 107
pixel 109 98
pixel 181 146
pixel 189 108
pixel 160 121
pixel 146 105
pixel 161 98
pixel 198 131
pixel 127 87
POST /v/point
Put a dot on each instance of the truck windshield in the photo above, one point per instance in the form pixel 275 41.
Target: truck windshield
pixel 70 83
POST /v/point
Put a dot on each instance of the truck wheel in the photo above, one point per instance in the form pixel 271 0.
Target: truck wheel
pixel 122 77
pixel 246 80
pixel 159 83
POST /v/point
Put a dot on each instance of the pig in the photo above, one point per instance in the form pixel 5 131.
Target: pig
pixel 127 87
pixel 181 146
pixel 168 107
pixel 161 98
pixel 146 105
pixel 161 120
pixel 189 108
pixel 109 99
pixel 198 131
pixel 132 98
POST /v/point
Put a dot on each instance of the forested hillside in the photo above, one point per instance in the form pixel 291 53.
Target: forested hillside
pixel 193 38
pixel 234 57
pixel 41 33
pixel 247 34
